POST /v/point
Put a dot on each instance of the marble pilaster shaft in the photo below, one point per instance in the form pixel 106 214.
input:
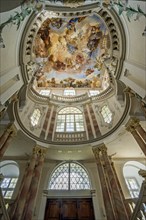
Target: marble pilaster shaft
pixel 118 200
pixel 6 144
pixel 33 190
pixel 25 189
pixel 139 140
pixel 111 215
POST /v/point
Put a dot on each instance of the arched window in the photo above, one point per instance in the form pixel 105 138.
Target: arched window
pixel 44 92
pixel 69 176
pixel 69 92
pixel 132 178
pixel 35 117
pixel 10 172
pixel 107 114
pixel 70 119
pixel 93 92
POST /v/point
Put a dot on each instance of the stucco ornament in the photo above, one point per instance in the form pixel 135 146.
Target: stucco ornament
pixel 73 3
pixel 29 6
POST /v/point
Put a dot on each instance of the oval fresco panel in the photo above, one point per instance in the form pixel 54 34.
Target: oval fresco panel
pixel 71 52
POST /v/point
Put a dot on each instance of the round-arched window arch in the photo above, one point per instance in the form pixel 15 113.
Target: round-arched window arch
pixel 132 178
pixel 70 119
pixel 69 176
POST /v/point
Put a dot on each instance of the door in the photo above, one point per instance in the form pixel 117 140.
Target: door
pixel 69 209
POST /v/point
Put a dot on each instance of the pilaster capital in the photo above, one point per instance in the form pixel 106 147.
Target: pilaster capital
pixel 130 129
pixel 1 177
pixel 129 91
pixel 142 173
pixel 99 148
pixel 132 124
pixel 40 151
pixel 96 151
pixel 12 130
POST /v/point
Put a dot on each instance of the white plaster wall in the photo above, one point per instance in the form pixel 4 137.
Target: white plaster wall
pixel 135 60
pixel 12 36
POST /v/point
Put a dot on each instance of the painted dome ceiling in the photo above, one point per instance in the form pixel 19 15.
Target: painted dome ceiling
pixel 71 53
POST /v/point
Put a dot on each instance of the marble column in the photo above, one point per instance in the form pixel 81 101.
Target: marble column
pixel 111 215
pixel 13 207
pixel 135 123
pixel 118 202
pixel 28 213
pixel 6 139
pixel 5 135
pixel 121 192
pixel 131 127
pixel 26 186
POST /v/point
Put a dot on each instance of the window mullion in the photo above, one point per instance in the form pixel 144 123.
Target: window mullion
pixel 69 178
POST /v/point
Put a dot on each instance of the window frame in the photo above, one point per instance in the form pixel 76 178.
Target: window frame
pixel 108 116
pixel 34 119
pixel 69 91
pixel 7 189
pixel 69 122
pixel 132 191
pixel 68 182
pixel 44 92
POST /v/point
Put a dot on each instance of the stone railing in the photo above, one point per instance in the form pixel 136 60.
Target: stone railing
pixel 70 137
pixel 53 98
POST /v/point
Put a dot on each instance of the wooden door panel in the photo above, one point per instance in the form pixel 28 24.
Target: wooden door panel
pixel 69 209
pixel 85 209
pixel 53 210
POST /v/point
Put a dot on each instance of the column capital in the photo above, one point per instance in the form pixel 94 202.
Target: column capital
pixel 1 177
pixel 130 129
pixel 12 129
pixel 99 148
pixel 129 91
pixel 133 122
pixel 142 173
pixel 39 150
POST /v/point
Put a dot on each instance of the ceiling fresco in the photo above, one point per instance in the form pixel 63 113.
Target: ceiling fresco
pixel 71 52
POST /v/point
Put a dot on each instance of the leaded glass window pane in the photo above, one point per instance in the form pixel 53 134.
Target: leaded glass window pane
pixel 78 177
pixel 69 176
pixel 44 92
pixel 35 117
pixel 13 183
pixel 71 119
pixel 5 182
pixel 132 186
pixel 107 114
pixel 60 178
pixel 8 194
pixel 69 92
pixel 93 92
pixel 7 186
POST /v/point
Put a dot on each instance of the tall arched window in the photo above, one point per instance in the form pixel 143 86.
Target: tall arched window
pixel 70 119
pixel 35 117
pixel 69 92
pixel 106 114
pixel 69 176
pixel 10 171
